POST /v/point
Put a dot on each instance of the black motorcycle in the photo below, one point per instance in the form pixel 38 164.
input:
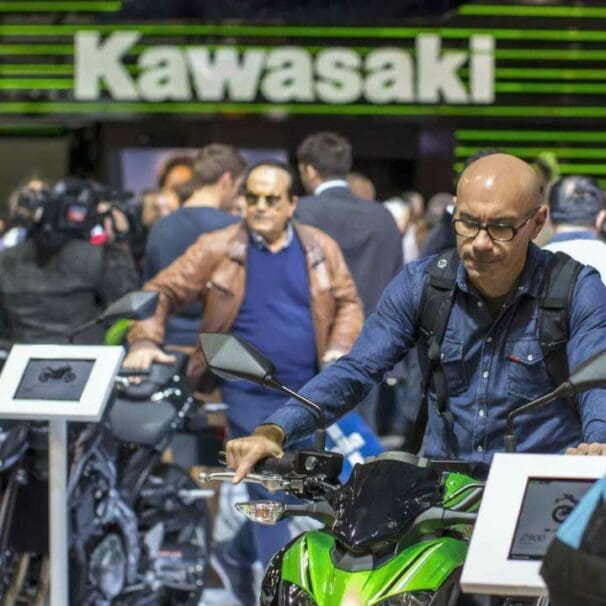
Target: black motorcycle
pixel 139 527
pixel 24 571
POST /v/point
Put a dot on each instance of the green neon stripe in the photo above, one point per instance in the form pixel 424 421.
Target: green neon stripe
pixel 62 84
pixel 518 54
pixel 529 135
pixel 317 109
pixel 294 31
pixel 587 169
pixel 81 6
pixel 41 69
pixel 36 49
pixel 550 73
pixel 561 152
pixel 540 54
pixel 36 83
pixel 565 169
pixel 550 88
pixel 508 10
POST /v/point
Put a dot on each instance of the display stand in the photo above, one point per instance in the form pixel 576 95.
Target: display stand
pixel 58 384
pixel 526 498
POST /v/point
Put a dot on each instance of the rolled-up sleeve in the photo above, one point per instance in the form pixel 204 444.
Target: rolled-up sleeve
pixel 588 337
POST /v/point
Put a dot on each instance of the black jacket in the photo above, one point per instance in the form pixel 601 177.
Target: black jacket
pixel 42 304
pixel 365 231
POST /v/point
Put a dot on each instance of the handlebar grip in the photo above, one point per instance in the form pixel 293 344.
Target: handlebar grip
pixel 281 466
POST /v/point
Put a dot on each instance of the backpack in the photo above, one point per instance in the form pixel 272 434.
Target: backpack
pixel 436 303
pixel 574 567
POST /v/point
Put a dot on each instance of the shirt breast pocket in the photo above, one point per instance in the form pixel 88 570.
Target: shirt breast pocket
pixel 453 365
pixel 527 375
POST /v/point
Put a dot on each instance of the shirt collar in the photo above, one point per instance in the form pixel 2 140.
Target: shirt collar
pixel 328 184
pixel 529 282
pixel 581 234
pixel 261 243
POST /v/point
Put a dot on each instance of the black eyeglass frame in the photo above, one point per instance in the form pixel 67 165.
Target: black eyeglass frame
pixel 486 227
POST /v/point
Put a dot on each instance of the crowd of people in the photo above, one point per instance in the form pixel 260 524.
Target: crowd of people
pixel 231 248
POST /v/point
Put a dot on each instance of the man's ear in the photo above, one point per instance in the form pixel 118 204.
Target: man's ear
pixel 226 181
pixel 539 220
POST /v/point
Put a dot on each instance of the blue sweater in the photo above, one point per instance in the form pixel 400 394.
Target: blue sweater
pixel 275 317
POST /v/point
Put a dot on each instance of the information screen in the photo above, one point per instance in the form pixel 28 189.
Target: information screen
pixel 56 379
pixel 546 504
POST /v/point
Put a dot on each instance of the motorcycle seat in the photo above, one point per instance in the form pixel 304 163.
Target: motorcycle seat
pixel 144 424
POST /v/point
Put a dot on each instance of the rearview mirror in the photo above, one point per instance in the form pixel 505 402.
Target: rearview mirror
pixel 231 358
pixel 136 305
pixel 589 374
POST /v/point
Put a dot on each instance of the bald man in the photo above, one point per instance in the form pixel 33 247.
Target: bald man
pixel 491 355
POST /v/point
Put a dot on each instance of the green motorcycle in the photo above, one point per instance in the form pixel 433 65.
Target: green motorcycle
pixel 395 534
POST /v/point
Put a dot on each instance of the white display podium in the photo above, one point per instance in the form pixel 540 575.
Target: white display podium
pixel 526 498
pixel 58 383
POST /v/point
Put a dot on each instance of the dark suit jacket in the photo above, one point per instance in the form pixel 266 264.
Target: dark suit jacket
pixel 365 231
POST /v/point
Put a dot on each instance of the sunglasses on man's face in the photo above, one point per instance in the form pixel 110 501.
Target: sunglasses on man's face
pixel 252 199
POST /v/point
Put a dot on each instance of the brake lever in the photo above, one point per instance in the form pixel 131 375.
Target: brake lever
pixel 271 483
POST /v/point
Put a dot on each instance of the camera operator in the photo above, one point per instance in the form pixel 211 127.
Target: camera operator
pixel 74 261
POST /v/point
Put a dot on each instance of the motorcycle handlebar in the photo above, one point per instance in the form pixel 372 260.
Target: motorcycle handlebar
pixel 274 465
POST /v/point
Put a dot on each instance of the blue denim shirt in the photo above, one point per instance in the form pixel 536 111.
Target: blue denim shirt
pixel 491 366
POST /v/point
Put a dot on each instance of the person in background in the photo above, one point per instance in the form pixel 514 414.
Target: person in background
pixel 156 204
pixel 176 171
pixel 218 170
pixel 22 205
pixel 367 234
pixel 240 208
pixel 64 274
pixel 416 201
pixel 575 203
pixel 361 186
pixel 402 215
pixel 282 286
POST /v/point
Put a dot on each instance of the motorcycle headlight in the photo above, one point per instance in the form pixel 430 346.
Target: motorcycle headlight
pixel 292 595
pixel 410 598
pixel 271 580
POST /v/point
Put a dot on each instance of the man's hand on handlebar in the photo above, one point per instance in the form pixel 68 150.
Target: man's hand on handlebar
pixel 593 449
pixel 142 356
pixel 243 453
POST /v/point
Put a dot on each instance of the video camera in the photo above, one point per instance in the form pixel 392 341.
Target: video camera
pixel 71 209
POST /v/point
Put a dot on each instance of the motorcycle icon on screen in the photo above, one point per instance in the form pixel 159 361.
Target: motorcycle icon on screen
pixel 61 373
pixel 563 507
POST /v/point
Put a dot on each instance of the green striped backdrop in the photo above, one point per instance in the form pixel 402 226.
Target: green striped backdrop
pixel 550 72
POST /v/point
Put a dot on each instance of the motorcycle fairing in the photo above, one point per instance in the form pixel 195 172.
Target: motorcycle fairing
pixel 308 564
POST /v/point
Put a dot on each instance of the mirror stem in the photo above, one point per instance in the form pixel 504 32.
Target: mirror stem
pixel 565 390
pixel 321 431
pixel 82 328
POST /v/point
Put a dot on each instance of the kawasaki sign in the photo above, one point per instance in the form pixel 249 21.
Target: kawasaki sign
pixel 283 74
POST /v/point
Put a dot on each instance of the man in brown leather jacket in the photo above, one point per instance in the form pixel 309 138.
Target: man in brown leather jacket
pixel 214 272
pixel 282 286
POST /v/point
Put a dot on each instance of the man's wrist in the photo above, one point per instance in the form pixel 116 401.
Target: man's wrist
pixel 272 432
pixel 143 344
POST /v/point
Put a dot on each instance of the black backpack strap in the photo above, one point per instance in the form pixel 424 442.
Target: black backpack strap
pixel 436 303
pixel 554 306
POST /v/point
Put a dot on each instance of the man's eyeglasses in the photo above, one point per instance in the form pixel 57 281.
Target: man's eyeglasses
pixel 252 199
pixel 497 232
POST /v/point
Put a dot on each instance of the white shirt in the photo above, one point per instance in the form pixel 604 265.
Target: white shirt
pixel 589 251
pixel 329 184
